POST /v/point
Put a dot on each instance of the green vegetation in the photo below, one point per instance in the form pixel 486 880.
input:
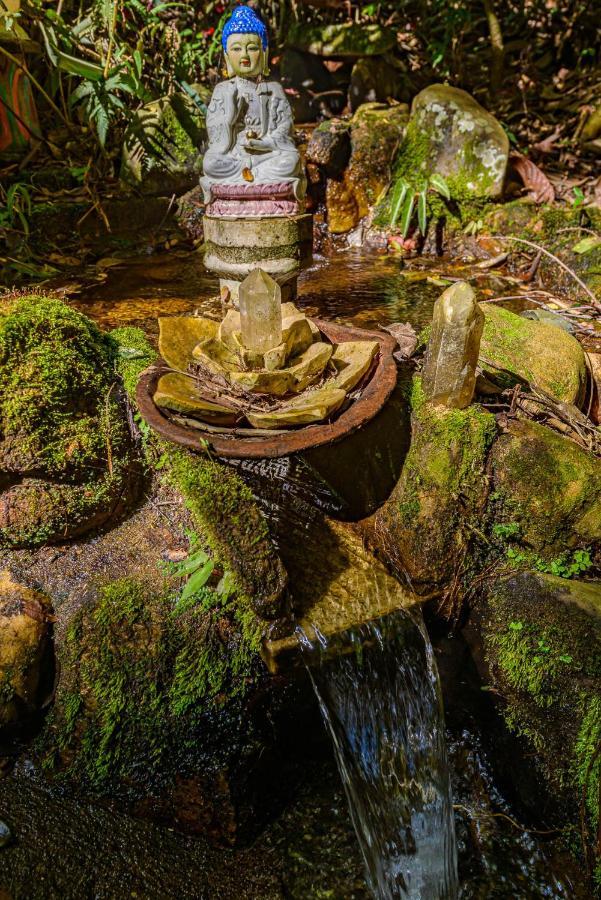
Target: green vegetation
pixel 56 376
pixel 543 650
pixel 141 675
pixel 61 418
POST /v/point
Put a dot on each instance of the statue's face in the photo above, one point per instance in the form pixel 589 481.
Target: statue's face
pixel 245 55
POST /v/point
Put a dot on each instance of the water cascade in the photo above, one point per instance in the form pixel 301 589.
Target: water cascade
pixel 380 698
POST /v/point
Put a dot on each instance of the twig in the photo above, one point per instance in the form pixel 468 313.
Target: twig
pixel 596 303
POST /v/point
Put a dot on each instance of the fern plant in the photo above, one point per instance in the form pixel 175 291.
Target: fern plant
pixel 406 201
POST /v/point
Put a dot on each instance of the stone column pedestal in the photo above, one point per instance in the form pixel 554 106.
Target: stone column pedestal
pixel 280 245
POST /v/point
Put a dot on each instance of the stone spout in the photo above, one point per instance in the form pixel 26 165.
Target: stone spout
pixel 449 377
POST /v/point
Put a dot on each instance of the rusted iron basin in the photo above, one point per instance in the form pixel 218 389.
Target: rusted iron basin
pixel 244 443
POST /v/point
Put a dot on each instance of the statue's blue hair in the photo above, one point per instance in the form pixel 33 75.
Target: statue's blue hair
pixel 244 20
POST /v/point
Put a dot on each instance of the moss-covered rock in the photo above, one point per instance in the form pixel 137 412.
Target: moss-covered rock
pixel 375 131
pixel 548 486
pixel 161 148
pixel 145 680
pixel 233 527
pixel 450 134
pixel 65 454
pixel 25 652
pixel 347 39
pixel 542 641
pixel 515 349
pixel 422 528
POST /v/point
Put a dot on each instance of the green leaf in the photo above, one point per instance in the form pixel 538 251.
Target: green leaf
pixel 226 585
pixel 587 244
pixel 440 185
pixel 197 580
pixel 398 198
pixel 516 626
pixel 422 211
pixel 565 658
pixel 102 123
pixel 191 564
pixel 578 197
pixel 407 215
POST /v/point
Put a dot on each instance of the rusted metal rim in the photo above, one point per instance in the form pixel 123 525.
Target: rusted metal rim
pixel 245 445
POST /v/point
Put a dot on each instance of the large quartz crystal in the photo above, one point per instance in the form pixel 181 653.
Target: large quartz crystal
pixel 260 301
pixel 452 356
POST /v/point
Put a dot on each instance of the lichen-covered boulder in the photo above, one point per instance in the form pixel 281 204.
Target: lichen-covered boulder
pixel 450 134
pixel 547 486
pixel 421 529
pixel 346 39
pixel 25 652
pixel 162 147
pixel 65 447
pixel 375 132
pixel 515 349
pixel 541 637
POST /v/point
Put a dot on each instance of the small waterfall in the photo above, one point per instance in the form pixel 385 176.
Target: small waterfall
pixel 380 698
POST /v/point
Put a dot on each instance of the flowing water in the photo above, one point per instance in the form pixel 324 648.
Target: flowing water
pixel 381 703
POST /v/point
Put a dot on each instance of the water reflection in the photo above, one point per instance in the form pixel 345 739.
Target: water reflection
pixel 358 287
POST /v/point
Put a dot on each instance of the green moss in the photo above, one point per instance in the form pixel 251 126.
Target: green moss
pixel 429 519
pixel 56 374
pixel 515 349
pixel 62 422
pixel 232 525
pixel 133 354
pixel 140 678
pixel 413 164
pixel 550 486
pixel 542 643
pixel 587 761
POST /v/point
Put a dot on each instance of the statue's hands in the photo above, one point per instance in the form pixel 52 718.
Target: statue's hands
pixel 255 145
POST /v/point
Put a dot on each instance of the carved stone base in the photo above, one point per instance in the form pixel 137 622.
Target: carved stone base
pixel 281 245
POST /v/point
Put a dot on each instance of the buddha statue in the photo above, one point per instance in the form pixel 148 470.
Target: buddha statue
pixel 251 166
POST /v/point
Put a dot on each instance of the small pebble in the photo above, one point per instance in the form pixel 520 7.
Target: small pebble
pixel 6 835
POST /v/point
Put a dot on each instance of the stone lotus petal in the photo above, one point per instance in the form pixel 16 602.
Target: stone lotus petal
pixel 178 393
pixel 308 366
pixel 215 356
pixel 179 335
pixel 314 406
pixel 351 360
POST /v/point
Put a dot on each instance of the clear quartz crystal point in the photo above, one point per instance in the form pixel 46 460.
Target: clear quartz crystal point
pixel 260 302
pixel 452 356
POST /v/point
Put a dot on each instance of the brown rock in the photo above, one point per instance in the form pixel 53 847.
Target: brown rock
pixel 24 650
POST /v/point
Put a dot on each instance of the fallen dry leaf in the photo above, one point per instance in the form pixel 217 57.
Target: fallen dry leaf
pixel 406 338
pixel 535 181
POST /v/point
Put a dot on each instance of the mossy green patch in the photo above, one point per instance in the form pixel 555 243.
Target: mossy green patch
pixel 65 447
pixel 232 525
pixel 442 488
pixel 140 677
pixel 133 354
pixel 542 638
pixel 514 349
pixel 56 375
pixel 549 485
